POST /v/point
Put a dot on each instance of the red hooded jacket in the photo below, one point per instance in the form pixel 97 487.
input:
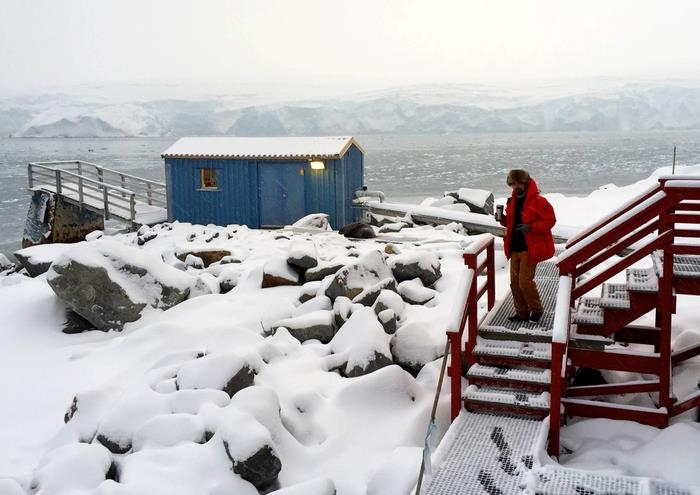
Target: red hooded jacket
pixel 539 214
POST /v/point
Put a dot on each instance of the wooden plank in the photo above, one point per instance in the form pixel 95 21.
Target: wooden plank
pixel 595 409
pixel 634 387
pixel 615 360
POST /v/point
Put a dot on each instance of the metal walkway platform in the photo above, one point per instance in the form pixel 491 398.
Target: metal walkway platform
pixel 547 279
pixel 486 454
pixel 496 455
pixel 110 193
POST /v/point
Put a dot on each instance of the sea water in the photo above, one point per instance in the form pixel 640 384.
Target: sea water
pixel 405 168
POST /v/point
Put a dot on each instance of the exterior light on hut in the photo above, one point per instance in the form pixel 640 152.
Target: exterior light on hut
pixel 317 165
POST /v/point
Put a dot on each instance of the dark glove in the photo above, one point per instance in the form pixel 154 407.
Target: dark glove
pixel 523 228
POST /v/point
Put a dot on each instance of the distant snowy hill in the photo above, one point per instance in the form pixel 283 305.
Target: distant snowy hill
pixel 435 109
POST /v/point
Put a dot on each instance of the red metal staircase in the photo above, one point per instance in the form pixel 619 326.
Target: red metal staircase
pixel 600 293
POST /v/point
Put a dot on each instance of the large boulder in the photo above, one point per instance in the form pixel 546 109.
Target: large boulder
pixel 37 259
pixel 368 271
pixel 110 284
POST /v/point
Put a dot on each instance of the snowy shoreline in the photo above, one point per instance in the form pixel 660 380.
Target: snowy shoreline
pixel 355 434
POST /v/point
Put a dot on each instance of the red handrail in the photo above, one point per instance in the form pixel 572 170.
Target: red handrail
pixel 479 258
pixel 659 209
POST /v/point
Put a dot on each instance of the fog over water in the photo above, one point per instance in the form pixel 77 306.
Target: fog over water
pixel 405 168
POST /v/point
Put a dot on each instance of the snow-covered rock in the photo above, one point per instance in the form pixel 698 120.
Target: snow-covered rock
pixel 167 430
pixel 277 272
pixel 478 200
pixel 414 292
pixel 302 254
pixel 129 413
pixel 362 343
pixel 313 221
pixel 424 265
pixel 318 324
pixel 369 270
pixel 417 343
pixel 110 284
pixel 248 445
pixel 229 372
pixel 73 468
pixel 37 259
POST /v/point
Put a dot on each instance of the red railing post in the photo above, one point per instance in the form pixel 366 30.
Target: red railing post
pixel 455 373
pixel 491 275
pixel 558 369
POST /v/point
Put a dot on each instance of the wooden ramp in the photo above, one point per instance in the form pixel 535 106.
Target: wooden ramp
pixel 110 193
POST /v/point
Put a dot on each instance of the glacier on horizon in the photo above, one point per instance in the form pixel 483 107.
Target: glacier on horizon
pixel 436 109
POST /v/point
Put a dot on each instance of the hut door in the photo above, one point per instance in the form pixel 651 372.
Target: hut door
pixel 281 194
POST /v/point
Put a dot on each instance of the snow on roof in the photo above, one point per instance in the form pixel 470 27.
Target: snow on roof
pixel 324 147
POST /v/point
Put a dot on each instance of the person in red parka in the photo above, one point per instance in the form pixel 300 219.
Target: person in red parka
pixel 528 220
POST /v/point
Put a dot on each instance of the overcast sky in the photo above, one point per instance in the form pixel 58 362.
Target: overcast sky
pixel 59 43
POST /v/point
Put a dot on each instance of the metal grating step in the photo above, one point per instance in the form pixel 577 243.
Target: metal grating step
pixel 498 318
pixel 534 351
pixel 547 269
pixel 484 455
pixel 530 375
pixel 615 296
pixel 588 312
pixel 686 266
pixel 493 395
pixel 642 279
pixel 555 480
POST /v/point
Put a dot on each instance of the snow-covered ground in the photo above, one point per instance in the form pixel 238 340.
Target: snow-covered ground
pixel 157 385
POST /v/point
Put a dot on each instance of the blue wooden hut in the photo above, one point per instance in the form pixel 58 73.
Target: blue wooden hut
pixel 263 181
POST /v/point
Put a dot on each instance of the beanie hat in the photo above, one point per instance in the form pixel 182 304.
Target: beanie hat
pixel 517 176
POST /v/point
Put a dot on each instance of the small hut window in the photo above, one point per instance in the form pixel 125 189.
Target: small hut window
pixel 208 178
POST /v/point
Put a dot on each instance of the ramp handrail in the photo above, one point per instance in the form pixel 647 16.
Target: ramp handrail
pixel 84 189
pixel 479 258
pixel 147 191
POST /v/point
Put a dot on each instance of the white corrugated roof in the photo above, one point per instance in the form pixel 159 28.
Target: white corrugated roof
pixel 328 147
